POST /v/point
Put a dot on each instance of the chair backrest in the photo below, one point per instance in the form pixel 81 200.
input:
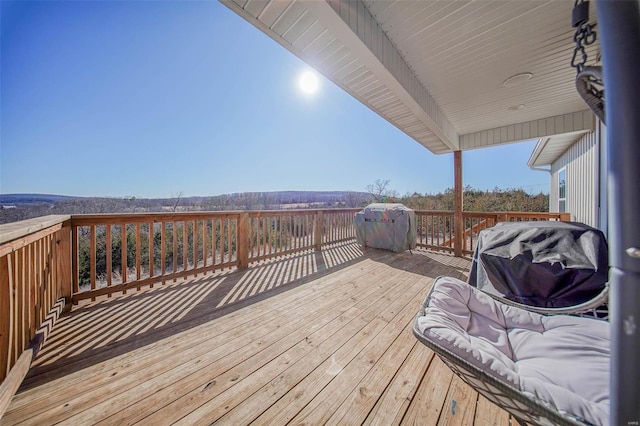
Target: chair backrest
pixel 541 264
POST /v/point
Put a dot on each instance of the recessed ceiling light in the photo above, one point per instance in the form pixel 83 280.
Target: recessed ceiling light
pixel 518 79
pixel 516 107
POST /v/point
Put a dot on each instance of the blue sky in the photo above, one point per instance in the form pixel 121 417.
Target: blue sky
pixel 149 99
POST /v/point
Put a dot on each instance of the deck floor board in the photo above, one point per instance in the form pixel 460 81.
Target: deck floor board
pixel 313 338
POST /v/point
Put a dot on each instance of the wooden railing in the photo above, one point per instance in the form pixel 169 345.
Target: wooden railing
pixel 337 225
pixel 35 286
pixel 473 224
pixel 279 233
pixel 274 233
pixel 436 229
pixel 116 253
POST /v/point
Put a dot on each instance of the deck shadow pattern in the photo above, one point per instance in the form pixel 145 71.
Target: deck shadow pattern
pixel 327 344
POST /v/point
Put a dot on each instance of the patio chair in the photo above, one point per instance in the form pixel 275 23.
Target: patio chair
pixel 543 369
pixel 519 331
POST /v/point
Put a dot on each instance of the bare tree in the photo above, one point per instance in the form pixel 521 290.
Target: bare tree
pixel 380 191
pixel 177 197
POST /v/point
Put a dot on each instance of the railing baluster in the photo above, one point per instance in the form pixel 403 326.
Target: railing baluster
pixel 195 245
pixel 215 241
pixel 124 265
pixel 222 238
pixel 18 293
pixel 273 235
pixel 151 251
pixel 74 259
pixel 138 271
pixel 46 243
pixel 204 242
pixel 109 257
pixel 163 250
pixel 92 257
pixel 36 282
pixel 40 274
pixel 40 282
pixel 174 254
pixel 184 246
pixel 334 226
pixel 19 275
pixel 279 243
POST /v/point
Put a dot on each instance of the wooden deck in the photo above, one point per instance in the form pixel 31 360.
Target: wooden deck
pixel 311 339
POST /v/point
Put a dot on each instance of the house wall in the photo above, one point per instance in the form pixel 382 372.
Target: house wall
pixel 582 182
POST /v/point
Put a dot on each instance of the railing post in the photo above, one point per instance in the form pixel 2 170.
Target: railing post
pixel 458 220
pixel 318 231
pixel 243 241
pixel 502 217
pixel 565 217
pixel 63 266
pixel 5 316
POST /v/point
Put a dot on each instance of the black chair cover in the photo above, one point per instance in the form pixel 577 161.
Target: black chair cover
pixel 543 264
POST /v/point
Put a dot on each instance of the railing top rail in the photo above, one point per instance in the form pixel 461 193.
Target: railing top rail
pixel 490 215
pixel 530 213
pixel 16 230
pixel 434 212
pixel 107 218
pixel 338 210
pixel 487 214
pixel 293 212
pixel 147 216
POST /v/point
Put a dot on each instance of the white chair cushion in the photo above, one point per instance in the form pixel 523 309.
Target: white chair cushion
pixel 560 359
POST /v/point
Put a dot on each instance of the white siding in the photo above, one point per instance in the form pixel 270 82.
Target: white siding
pixel 581 162
pixel 604 174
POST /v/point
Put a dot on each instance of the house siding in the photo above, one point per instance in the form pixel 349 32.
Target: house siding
pixel 582 186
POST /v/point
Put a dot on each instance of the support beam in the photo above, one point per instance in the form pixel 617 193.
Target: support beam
pixel 6 315
pixel 318 231
pixel 458 220
pixel 243 241
pixel 63 263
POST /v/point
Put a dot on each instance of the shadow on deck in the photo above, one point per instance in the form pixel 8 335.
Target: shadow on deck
pixel 315 338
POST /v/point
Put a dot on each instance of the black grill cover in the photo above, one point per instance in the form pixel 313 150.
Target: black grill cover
pixel 544 264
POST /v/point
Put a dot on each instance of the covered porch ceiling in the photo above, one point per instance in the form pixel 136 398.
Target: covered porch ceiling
pixel 440 70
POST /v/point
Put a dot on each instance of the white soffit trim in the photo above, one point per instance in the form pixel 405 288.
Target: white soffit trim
pixel 402 81
pixel 567 124
pixel 536 152
pixel 548 150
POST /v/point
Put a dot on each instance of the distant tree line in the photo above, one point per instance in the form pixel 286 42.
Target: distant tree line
pixel 513 199
pixel 238 201
pixel 475 200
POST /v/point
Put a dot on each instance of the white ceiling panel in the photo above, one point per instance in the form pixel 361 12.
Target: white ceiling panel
pixel 435 68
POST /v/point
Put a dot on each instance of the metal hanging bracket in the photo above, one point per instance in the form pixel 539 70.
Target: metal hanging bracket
pixel 589 80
